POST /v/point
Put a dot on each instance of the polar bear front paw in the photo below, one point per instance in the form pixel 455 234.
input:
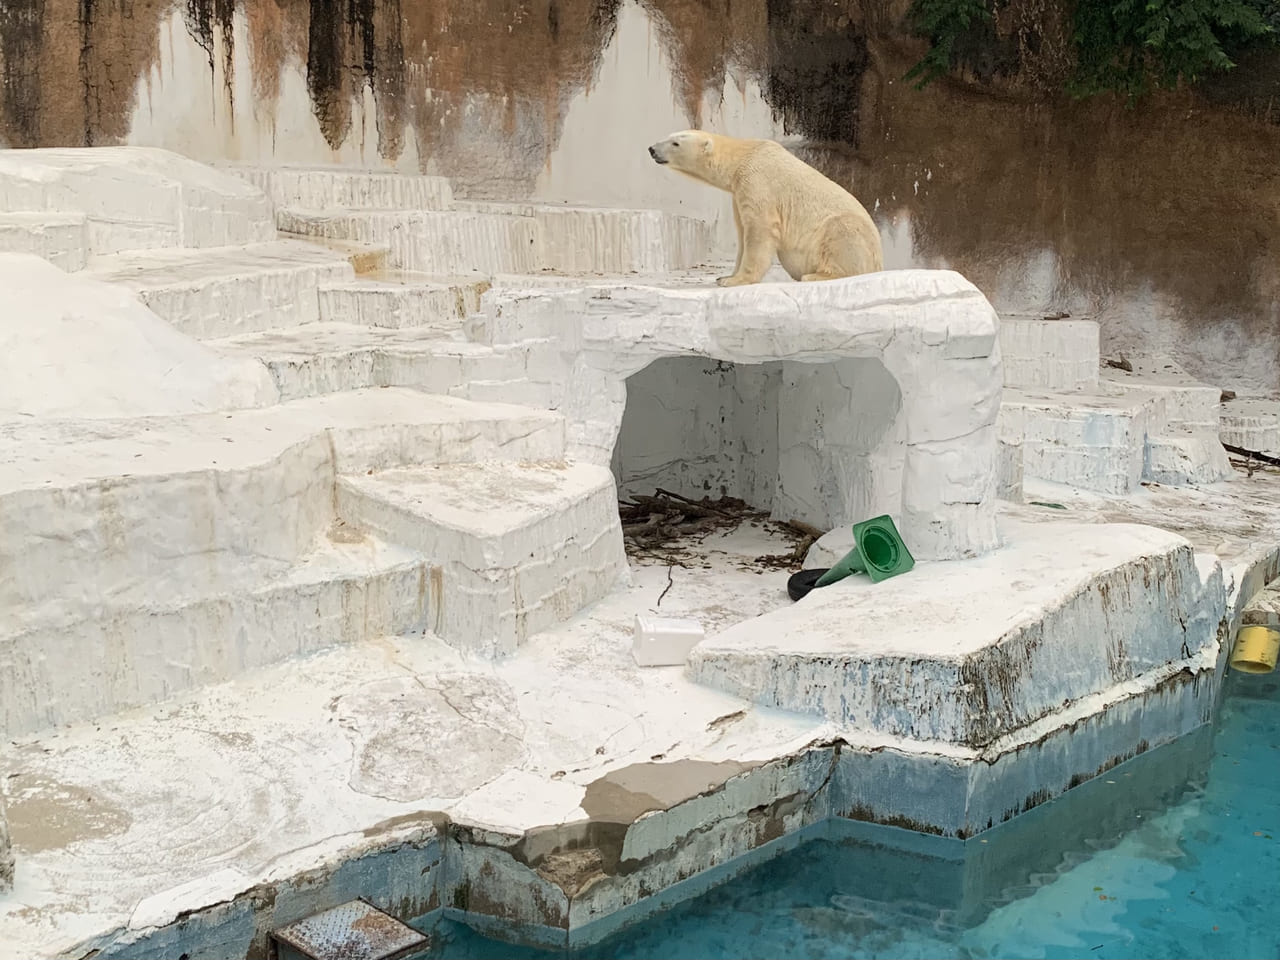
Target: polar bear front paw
pixel 729 281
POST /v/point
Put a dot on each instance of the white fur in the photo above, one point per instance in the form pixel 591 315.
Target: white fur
pixel 781 206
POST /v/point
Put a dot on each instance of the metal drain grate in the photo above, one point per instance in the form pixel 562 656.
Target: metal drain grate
pixel 354 930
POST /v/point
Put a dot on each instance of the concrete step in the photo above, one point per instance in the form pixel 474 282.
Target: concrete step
pixel 328 187
pixel 119 654
pixel 1112 442
pixel 515 547
pixel 1185 402
pixel 1252 423
pixel 608 240
pixel 1083 440
pixel 136 198
pixel 366 259
pixel 400 300
pixel 1040 353
pixel 229 291
pixel 329 358
pixel 60 238
pixel 76 347
pixel 972 651
pixel 1181 458
pixel 439 243
pixel 100 514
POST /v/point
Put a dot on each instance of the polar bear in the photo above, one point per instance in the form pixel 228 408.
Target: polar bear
pixel 781 205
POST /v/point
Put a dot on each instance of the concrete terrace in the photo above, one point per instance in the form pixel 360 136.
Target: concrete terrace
pixel 315 585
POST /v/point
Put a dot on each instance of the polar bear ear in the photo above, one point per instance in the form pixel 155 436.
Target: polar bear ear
pixel 706 145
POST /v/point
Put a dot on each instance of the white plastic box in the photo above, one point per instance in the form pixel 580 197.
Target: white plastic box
pixel 664 641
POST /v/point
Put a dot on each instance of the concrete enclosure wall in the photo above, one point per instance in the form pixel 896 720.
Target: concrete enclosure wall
pixel 1158 221
pixel 701 427
pixel 819 442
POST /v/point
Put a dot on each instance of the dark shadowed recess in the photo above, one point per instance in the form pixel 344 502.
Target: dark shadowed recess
pixel 21 27
pixel 817 55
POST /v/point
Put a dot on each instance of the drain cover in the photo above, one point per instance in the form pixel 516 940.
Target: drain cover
pixel 354 930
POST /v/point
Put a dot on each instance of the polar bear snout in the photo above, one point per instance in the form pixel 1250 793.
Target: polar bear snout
pixel 657 157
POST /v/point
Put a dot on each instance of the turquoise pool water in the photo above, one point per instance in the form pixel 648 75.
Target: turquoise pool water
pixel 1135 863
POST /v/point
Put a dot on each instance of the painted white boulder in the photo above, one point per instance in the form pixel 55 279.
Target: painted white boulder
pixel 77 347
pixel 971 652
pixel 136 198
pixel 882 389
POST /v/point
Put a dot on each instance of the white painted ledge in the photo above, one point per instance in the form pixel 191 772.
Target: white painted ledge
pixel 78 347
pixel 970 652
pixel 136 198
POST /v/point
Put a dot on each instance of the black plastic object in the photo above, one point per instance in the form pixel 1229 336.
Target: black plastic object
pixel 801 583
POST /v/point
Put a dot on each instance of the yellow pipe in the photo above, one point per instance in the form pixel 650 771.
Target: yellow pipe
pixel 1256 649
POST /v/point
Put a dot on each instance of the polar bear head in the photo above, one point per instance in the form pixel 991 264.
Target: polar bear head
pixel 686 151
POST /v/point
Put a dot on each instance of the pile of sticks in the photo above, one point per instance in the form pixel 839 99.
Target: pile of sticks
pixel 666 516
pixel 664 519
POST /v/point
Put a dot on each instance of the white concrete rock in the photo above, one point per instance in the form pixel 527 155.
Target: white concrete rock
pixel 439 243
pixel 136 198
pixel 73 346
pixel 971 651
pixel 229 291
pixel 408 300
pixel 147 558
pixel 1083 440
pixel 324 358
pixel 1187 404
pixel 1044 354
pixel 128 510
pixel 587 240
pixel 128 653
pixel 1011 470
pixel 312 188
pixel 1153 424
pixel 60 238
pixel 157 554
pixel 514 548
pixel 912 409
pixel 1252 423
pixel 1190 457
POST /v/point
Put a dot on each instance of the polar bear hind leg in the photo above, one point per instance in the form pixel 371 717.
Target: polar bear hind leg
pixel 845 250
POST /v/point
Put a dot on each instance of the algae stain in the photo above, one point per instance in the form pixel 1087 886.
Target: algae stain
pixel 626 794
pixel 46 814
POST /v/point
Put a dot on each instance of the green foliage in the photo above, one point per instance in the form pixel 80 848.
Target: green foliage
pixel 944 22
pixel 1120 46
pixel 1130 46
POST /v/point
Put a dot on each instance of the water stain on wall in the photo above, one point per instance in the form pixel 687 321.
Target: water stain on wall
pixel 420 62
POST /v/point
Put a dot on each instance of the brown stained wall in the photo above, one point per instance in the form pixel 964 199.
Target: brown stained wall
pixel 70 67
pixel 1180 195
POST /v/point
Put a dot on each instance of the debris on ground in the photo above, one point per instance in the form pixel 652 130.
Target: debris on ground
pixel 669 528
pixel 1121 364
pixel 1251 461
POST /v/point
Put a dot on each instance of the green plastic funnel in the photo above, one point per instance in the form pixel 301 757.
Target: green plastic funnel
pixel 878 551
